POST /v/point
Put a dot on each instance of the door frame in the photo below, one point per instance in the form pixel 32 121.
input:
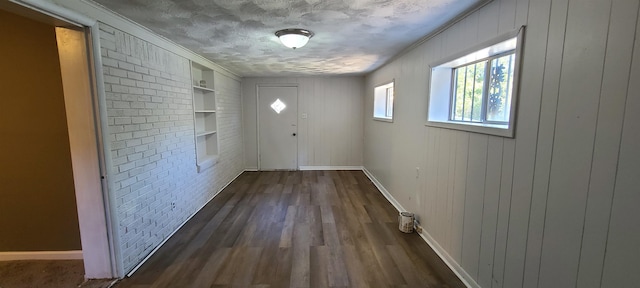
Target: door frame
pixel 101 260
pixel 258 119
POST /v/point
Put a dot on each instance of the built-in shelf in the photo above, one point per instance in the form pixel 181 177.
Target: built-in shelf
pixel 204 116
pixel 207 162
pixel 204 133
pixel 204 89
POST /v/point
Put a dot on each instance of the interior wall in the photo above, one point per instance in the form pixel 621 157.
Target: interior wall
pixel 37 198
pixel 332 133
pixel 554 206
pixel 155 184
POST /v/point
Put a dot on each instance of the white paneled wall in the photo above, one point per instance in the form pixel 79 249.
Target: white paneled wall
pixel 331 135
pixel 154 184
pixel 555 206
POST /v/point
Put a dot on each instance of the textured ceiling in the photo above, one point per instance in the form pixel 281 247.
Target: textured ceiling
pixel 351 36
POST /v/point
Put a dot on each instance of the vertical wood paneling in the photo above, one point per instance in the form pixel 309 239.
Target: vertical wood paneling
pixel 459 188
pixel 423 195
pixel 303 127
pixel 502 225
pixel 357 125
pixel 507 15
pixel 522 12
pixel 607 143
pixel 488 21
pixel 526 138
pixel 490 210
pixel 474 199
pixel 573 146
pixel 540 14
pixel 332 133
pixel 430 191
pixel 623 255
pixel 451 209
pixel 441 185
pixel 514 216
pixel 312 113
pixel 319 109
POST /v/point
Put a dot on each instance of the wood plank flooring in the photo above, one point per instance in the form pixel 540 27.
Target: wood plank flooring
pixel 295 229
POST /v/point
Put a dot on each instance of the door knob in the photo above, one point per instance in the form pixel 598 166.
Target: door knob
pixel 294 134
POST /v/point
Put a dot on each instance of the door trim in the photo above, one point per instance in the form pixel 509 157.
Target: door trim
pixel 258 118
pixel 105 262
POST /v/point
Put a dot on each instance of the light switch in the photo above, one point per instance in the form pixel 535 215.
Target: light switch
pixel 304 115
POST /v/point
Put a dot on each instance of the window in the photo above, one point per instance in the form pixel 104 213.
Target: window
pixel 383 102
pixel 477 92
pixel 482 90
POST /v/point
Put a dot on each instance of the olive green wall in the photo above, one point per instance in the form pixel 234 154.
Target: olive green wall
pixel 37 199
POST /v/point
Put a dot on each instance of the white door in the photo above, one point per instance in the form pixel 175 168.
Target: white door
pixel 278 128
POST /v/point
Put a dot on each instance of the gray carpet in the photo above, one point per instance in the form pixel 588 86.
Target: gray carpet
pixel 47 273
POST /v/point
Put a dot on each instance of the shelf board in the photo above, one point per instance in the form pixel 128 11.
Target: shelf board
pixel 206 162
pixel 206 111
pixel 204 133
pixel 205 89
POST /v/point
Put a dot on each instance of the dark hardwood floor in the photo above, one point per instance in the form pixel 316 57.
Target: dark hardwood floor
pixel 295 229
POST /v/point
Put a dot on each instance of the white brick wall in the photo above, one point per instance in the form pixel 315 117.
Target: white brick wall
pixel 151 134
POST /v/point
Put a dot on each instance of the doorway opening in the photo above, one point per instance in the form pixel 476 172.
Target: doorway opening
pixel 71 82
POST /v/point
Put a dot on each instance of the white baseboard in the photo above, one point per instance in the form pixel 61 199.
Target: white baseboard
pixel 250 169
pixel 446 258
pixel 384 191
pixel 180 226
pixel 319 168
pixel 41 255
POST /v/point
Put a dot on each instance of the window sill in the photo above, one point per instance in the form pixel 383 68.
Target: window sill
pixel 489 129
pixel 390 120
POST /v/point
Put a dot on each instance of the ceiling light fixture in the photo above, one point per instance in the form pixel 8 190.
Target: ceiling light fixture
pixel 294 37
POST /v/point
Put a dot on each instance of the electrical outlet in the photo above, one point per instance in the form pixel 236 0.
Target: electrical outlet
pixel 173 206
pixel 417 227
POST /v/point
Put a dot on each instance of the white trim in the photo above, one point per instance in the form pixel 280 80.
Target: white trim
pixel 384 191
pixel 102 127
pixel 250 169
pixel 41 255
pixel 320 168
pixel 447 259
pixel 183 223
pixel 451 263
pixel 55 11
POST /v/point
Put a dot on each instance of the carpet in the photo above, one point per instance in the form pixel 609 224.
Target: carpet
pixel 47 273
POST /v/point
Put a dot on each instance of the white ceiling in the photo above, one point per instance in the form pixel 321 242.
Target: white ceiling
pixel 351 36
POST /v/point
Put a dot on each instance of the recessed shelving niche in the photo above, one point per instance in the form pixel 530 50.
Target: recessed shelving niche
pixel 204 115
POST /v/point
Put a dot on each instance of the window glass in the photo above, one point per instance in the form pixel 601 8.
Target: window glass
pixel 476 90
pixel 383 97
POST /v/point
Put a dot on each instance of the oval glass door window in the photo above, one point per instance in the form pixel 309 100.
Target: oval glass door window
pixel 278 106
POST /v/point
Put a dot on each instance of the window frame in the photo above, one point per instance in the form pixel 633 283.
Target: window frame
pixel 485 91
pixel 440 97
pixel 385 85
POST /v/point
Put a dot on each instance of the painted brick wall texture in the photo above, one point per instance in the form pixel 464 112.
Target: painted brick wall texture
pixel 151 137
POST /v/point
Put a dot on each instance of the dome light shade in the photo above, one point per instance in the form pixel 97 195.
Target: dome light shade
pixel 294 37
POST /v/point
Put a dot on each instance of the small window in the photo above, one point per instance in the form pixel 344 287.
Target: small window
pixel 383 102
pixel 477 91
pixel 482 90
